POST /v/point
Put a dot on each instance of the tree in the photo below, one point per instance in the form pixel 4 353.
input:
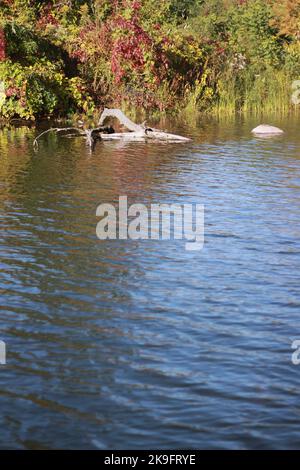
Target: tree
pixel 287 17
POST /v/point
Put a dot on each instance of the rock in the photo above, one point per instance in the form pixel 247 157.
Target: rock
pixel 265 129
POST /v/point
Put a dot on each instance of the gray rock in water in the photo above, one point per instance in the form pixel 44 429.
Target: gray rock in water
pixel 265 129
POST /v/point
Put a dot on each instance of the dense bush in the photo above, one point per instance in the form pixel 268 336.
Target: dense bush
pixel 60 57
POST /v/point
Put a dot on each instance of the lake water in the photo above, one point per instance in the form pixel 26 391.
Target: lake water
pixel 141 344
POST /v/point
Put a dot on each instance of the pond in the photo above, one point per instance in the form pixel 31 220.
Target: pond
pixel 136 344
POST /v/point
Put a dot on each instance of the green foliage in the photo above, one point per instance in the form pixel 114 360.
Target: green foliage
pixel 292 59
pixel 184 9
pixel 251 34
pixel 210 22
pixel 60 57
pixel 41 89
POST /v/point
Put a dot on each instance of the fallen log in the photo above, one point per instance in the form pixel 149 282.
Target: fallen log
pixel 143 136
pixel 138 132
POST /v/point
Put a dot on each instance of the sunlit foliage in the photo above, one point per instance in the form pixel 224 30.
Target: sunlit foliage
pixel 62 56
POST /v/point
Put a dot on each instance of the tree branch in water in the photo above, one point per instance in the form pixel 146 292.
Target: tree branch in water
pixel 91 135
pixel 56 129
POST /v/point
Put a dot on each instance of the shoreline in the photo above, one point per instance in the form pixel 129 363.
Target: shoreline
pixel 187 114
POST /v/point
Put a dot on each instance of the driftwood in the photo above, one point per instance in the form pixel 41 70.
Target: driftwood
pixel 138 132
pixel 117 113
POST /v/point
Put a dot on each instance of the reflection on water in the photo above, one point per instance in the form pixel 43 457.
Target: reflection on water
pixel 142 344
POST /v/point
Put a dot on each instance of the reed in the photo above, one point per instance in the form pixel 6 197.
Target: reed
pixel 269 92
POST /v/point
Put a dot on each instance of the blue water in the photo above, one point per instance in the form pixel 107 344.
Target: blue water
pixel 142 344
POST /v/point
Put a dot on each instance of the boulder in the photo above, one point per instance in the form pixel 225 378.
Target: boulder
pixel 265 129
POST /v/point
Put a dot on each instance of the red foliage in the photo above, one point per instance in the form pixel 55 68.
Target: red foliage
pixel 12 91
pixel 2 44
pixel 131 50
pixel 47 17
pixel 131 47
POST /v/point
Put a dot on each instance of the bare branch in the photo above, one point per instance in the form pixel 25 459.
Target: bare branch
pixel 56 129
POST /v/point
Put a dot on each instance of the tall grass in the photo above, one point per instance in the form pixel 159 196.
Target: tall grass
pixel 269 92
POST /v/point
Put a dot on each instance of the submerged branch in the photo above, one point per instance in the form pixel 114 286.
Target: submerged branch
pixel 91 135
pixel 56 129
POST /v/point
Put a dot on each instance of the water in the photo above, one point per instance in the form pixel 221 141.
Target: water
pixel 142 344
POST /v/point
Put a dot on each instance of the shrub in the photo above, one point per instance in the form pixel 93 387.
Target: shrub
pixel 39 90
